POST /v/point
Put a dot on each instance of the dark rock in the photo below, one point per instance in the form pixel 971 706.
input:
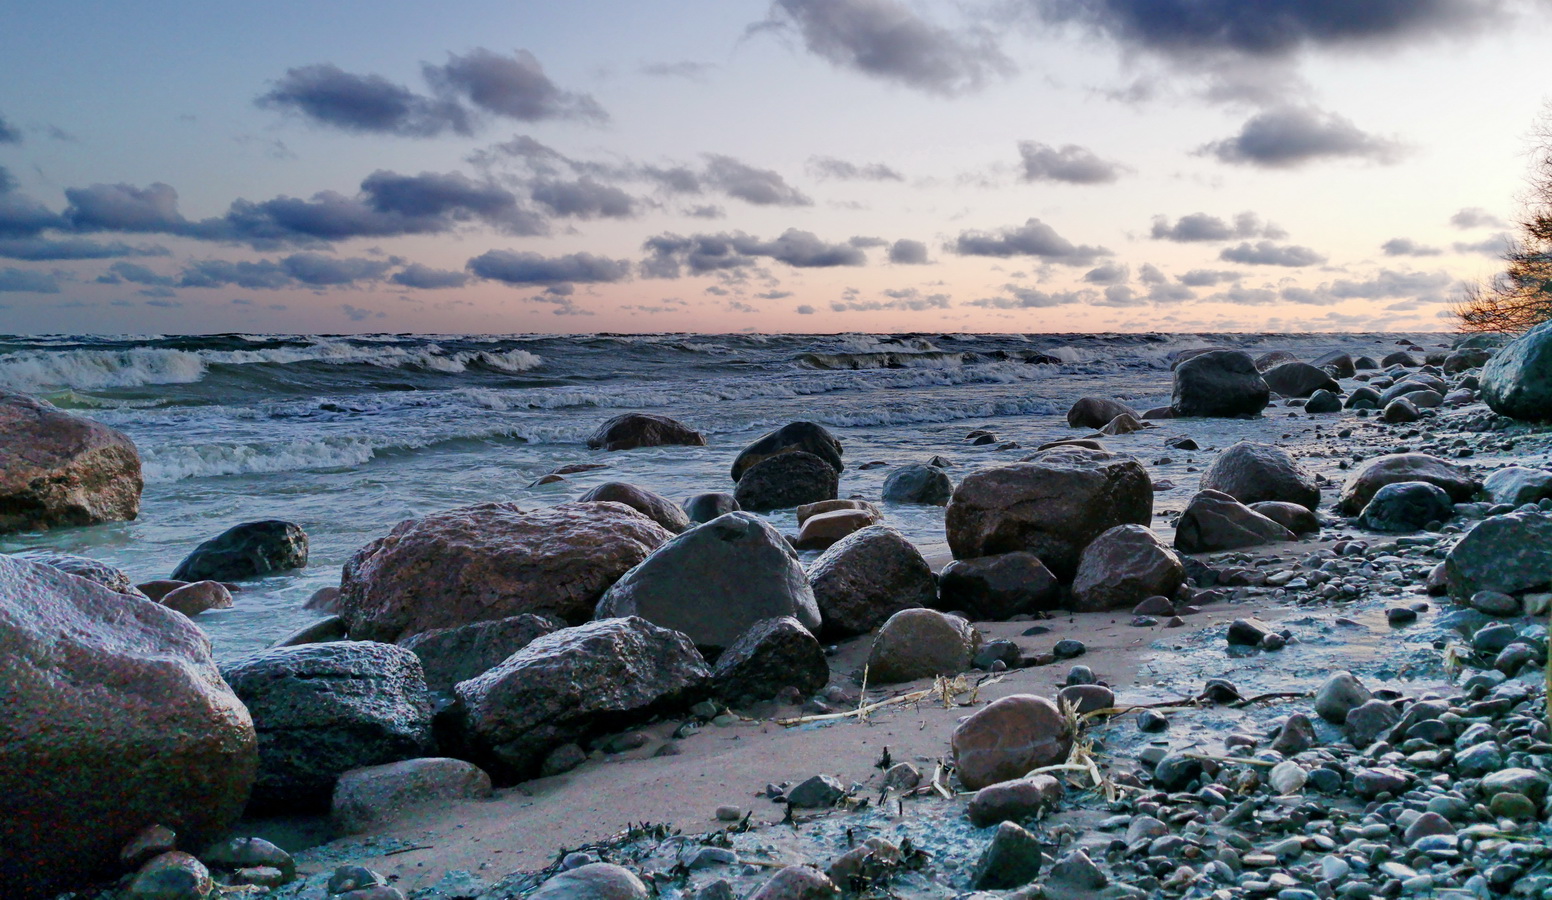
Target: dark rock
pixel 703 508
pixel 249 550
pixel 654 506
pixel 1406 506
pixel 1014 801
pixel 193 599
pixel 1253 473
pixel 786 480
pixel 1363 398
pixel 867 577
pixel 574 684
pixel 1011 860
pixel 1292 516
pixel 115 719
pixel 927 485
pixel 323 709
pixel 324 630
pixel 632 430
pixel 1008 738
pixel 1517 382
pixel 818 792
pixel 804 437
pixel 1509 554
pixel 1399 412
pixel 1249 632
pixel 1296 735
pixel 1094 412
pixel 1465 359
pixel 715 581
pixel 1400 358
pixel 1323 401
pixel 1214 521
pixel 450 655
pixel 1517 485
pixel 1298 379
pixel 1366 723
pixel 772 655
pixel 1175 772
pixel 1219 383
pixel 1338 364
pixel 1274 358
pixel 1380 471
pixel 59 469
pixel 997 588
pixel 1086 698
pixel 921 643
pixel 246 853
pixel 1122 567
pixel 1340 694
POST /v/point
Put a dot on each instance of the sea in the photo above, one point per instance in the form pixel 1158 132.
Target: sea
pixel 349 435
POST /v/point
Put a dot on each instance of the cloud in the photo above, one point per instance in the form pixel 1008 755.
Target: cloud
pixel 137 274
pixel 670 254
pixel 1288 137
pixel 123 207
pixel 526 268
pixel 416 275
pixel 1030 298
pixel 9 134
pixel 514 87
pixel 905 299
pixel 1070 164
pixel 25 281
pixel 163 303
pixel 1267 253
pixel 298 270
pixel 262 275
pixel 1476 217
pixel 842 170
pixel 357 314
pixel 906 252
pixel 584 199
pixel 1201 227
pixel 1208 277
pixel 694 71
pixel 1033 238
pixel 326 95
pixel 762 187
pixel 885 39
pixel 317 270
pixel 1495 246
pixel 1408 247
pixel 1150 274
pixel 1424 287
pixel 1108 273
pixel 40 249
pixel 805 310
pixel 707 211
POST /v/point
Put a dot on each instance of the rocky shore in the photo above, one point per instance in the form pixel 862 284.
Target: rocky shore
pixel 1307 664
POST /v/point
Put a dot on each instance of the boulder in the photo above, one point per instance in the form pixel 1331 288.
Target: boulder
pixel 1052 505
pixel 921 643
pixel 809 510
pixel 450 655
pixel 320 631
pixel 58 469
pixel 1122 424
pixel 594 881
pixel 1298 379
pixel 1364 362
pixel 1406 506
pixel 1399 412
pixel 796 883
pixel 1517 382
pixel 823 530
pixel 193 599
pixel 1338 364
pixel 323 709
pixel 1014 801
pixel 110 577
pixel 996 588
pixel 572 685
pixel 1322 402
pixel 115 719
pixel 1363 398
pixel 1219 383
pixel 1400 358
pixel 633 430
pixel 1272 359
pixel 492 561
pixel 1368 478
pixel 1094 412
pixel 654 506
pixel 926 485
pixel 373 796
pixel 703 508
pixel 1215 521
pixel 1414 384
pixel 1465 359
pixel 1252 473
pixel 715 581
pixel 805 437
pixel 785 481
pixel 1340 694
pixel 1508 554
pixel 249 550
pixel 1517 485
pixel 1124 566
pixel 867 577
pixel 1292 516
pixel 772 655
pixel 1008 738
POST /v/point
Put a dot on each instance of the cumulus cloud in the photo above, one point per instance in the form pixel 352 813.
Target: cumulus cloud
pixel 9 134
pixel 844 170
pixel 1151 274
pixel 20 215
pixel 298 270
pixel 1016 297
pixel 1069 163
pixel 1201 227
pixel 1108 273
pixel 40 249
pixel 584 199
pixel 526 268
pixel 1208 277
pixel 1408 247
pixel 514 87
pixel 886 39
pixel 1267 253
pixel 357 314
pixel 1495 246
pixel 907 252
pixel 416 275
pixel 669 255
pixel 1033 238
pixel 123 207
pixel 1288 137
pixel 28 282
pixel 1423 287
pixel 903 299
pixel 805 310
pixel 209 273
pixel 762 187
pixel 1476 217
pixel 317 270
pixel 135 274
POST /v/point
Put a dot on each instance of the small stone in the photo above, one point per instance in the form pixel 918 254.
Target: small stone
pixel 902 776
pixel 1014 801
pixel 818 792
pixel 1068 649
pixel 1012 860
pixel 152 841
pixel 353 878
pixel 1296 736
pixel 1150 721
pixel 1338 695
pixel 250 852
pixel 1288 777
pixel 1494 603
pixel 1366 723
pixel 1426 825
pixel 729 813
pixel 173 875
pixel 1076 872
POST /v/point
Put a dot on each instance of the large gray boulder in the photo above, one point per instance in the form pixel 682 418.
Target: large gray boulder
pixel 868 576
pixel 805 437
pixel 1299 379
pixel 569 686
pixel 1254 473
pixel 1508 554
pixel 1517 382
pixel 921 643
pixel 1518 485
pixel 323 709
pixel 1097 412
pixel 654 506
pixel 249 550
pixel 1406 506
pixel 1123 567
pixel 1214 521
pixel 1052 505
pixel 928 485
pixel 58 469
pixel 1221 383
pixel 785 481
pixel 772 655
pixel 114 719
pixel 715 581
pixel 632 430
pixel 994 588
pixel 450 655
pixel 110 577
pixel 1367 479
pixel 492 561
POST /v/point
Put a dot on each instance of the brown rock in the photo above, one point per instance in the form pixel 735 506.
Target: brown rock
pixel 1292 516
pixel 797 883
pixel 867 577
pixel 368 798
pixel 813 509
pixel 633 430
pixel 1215 521
pixel 153 841
pixel 324 600
pixel 654 506
pixel 159 588
pixel 921 643
pixel 1252 473
pixel 1000 587
pixel 193 599
pixel 822 530
pixel 1367 479
pixel 1122 424
pixel 594 881
pixel 60 469
pixel 1009 738
pixel 804 437
pixel 1014 801
pixel 1124 566
pixel 100 683
pixel 1052 505
pixel 492 561
pixel 1095 412
pixel 174 875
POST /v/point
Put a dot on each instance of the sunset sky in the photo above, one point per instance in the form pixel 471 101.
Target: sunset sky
pixel 727 165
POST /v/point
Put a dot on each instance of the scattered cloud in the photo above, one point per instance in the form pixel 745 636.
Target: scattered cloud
pixel 514 87
pixel 9 134
pixel 1267 253
pixel 805 310
pixel 694 71
pixel 416 275
pixel 1408 247
pixel 904 299
pixel 1209 277
pixel 1016 297
pixel 526 268
pixel 1289 137
pixel 762 187
pixel 1069 163
pixel 1033 238
pixel 357 314
pixel 669 255
pixel 1108 273
pixel 1476 217
pixel 843 170
pixel 584 199
pixel 906 252
pixel 1201 227
pixel 42 249
pixel 1495 246
pixel 27 281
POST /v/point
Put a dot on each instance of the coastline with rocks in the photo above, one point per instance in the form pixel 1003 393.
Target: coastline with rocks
pixel 1283 635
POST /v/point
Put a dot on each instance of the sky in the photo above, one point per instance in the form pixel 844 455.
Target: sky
pixel 738 165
